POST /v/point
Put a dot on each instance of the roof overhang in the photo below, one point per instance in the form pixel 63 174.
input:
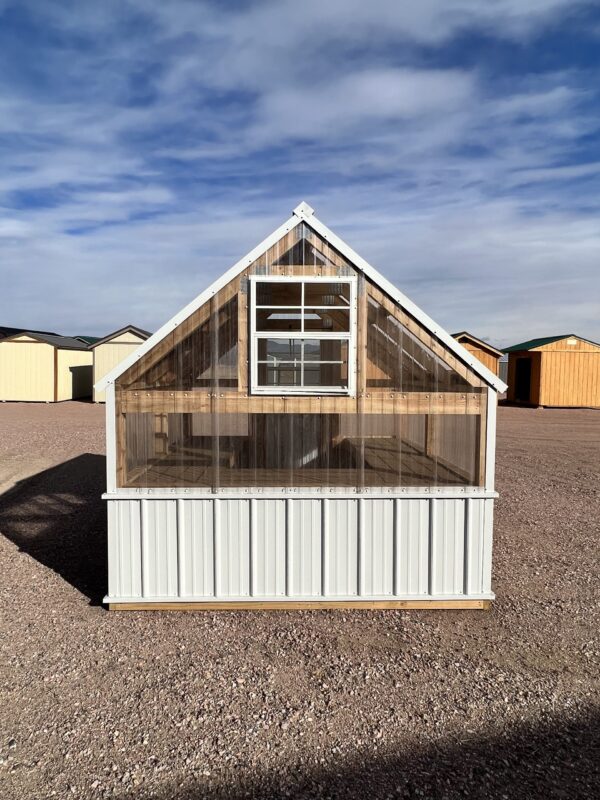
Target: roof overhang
pixel 126 329
pixel 304 213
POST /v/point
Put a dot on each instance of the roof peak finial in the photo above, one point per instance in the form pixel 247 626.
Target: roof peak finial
pixel 304 210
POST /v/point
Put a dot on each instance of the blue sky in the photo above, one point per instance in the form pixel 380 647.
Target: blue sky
pixel 145 146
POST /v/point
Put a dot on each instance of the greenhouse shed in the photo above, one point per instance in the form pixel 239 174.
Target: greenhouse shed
pixel 111 350
pixel 44 367
pixel 300 435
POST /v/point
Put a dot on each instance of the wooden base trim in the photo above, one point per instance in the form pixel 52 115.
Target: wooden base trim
pixel 305 605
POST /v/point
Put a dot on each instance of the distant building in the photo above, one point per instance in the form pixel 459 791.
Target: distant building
pixel 554 371
pixel 6 331
pixel 44 367
pixel 488 355
pixel 111 350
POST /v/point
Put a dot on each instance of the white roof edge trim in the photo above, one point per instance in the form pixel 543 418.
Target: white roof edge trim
pixel 298 216
pixel 303 212
pixel 389 288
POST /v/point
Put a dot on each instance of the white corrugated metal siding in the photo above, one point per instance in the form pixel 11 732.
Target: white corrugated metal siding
pixel 274 549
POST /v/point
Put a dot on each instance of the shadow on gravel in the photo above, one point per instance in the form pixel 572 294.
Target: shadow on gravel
pixel 557 760
pixel 58 518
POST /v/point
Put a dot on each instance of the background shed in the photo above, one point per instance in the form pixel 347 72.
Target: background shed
pixel 554 371
pixel 111 350
pixel 488 355
pixel 40 367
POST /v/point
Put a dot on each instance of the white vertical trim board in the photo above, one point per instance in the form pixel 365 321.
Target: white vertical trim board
pixel 111 439
pixel 490 441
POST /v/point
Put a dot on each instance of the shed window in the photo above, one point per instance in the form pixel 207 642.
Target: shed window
pixel 302 335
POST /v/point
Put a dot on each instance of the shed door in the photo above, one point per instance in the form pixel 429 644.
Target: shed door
pixel 523 380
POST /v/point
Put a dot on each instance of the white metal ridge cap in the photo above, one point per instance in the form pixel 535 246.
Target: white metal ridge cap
pixel 488 376
pixel 214 287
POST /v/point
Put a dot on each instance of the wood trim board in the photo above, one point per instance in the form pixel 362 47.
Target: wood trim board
pixel 307 605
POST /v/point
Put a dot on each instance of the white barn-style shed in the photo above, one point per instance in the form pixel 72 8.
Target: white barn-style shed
pixel 301 434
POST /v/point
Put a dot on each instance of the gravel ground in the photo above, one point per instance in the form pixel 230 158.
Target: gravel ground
pixel 498 704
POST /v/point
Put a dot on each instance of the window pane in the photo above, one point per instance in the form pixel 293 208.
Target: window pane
pixel 279 373
pixel 279 319
pixel 333 321
pixel 318 374
pixel 278 294
pixel 279 349
pixel 326 294
pixel 325 350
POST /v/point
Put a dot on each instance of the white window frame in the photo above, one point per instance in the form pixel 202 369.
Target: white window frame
pixel 349 336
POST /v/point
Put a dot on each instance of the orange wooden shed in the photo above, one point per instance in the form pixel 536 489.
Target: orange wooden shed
pixel 488 355
pixel 561 371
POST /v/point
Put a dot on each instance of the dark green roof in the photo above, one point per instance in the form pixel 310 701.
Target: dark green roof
pixel 532 343
pixel 88 339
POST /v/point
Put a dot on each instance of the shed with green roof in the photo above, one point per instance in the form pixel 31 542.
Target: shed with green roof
pixel 561 371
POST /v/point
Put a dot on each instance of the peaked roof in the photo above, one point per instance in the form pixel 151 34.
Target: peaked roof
pixel 87 339
pixel 5 331
pixel 62 342
pixel 478 342
pixel 304 213
pixel 533 343
pixel 126 329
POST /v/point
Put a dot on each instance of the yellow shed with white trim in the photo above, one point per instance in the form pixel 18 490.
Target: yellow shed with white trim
pixel 44 368
pixel 111 350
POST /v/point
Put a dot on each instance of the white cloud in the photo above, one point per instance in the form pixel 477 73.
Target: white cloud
pixel 458 189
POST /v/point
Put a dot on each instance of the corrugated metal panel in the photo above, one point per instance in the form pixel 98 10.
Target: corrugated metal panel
pixel 341 535
pixel 159 548
pixel 196 542
pixel 268 547
pixel 376 547
pixel 412 547
pixel 488 535
pixel 304 554
pixel 124 549
pixel 299 548
pixel 232 547
pixel 447 542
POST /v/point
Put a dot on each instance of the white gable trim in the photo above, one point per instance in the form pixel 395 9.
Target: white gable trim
pixel 202 298
pixel 407 304
pixel 304 213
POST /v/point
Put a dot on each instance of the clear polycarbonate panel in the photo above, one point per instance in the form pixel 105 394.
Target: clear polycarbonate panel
pixel 236 450
pixel 202 352
pixel 399 360
pixel 186 417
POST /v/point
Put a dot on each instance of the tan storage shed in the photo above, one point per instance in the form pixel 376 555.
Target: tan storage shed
pixel 44 368
pixel 488 355
pixel 111 350
pixel 562 371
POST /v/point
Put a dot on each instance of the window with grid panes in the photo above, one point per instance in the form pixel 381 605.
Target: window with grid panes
pixel 302 331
